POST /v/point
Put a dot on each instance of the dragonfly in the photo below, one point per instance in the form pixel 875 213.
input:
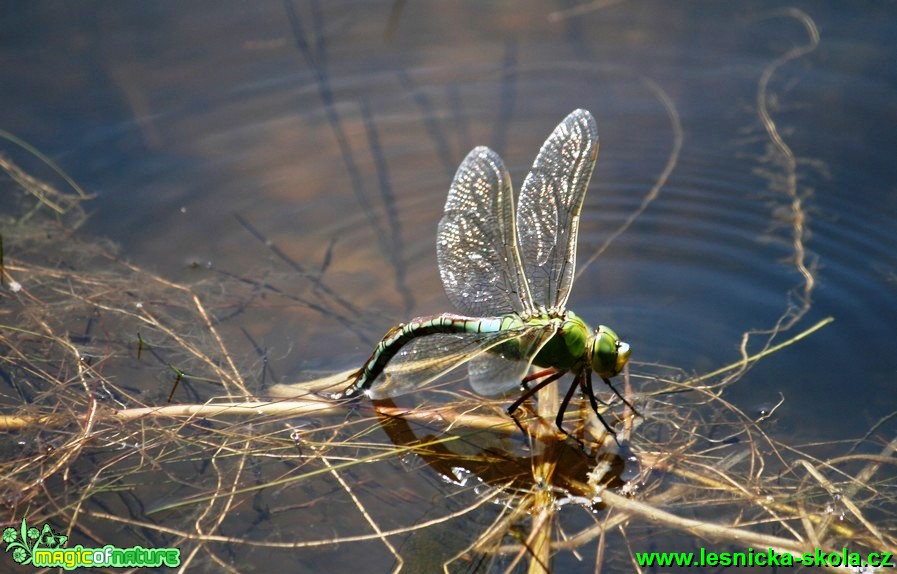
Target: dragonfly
pixel 510 273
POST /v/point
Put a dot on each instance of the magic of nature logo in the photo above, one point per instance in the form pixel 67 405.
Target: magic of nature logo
pixel 45 548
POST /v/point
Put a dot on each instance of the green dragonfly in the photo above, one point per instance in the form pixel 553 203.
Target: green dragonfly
pixel 511 276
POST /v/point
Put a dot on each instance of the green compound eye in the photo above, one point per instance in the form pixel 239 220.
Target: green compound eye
pixel 609 353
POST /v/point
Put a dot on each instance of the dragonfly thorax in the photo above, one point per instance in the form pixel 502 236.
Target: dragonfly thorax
pixel 575 346
pixel 569 348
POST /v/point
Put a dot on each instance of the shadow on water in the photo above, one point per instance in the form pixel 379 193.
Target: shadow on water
pixel 388 232
pixel 142 410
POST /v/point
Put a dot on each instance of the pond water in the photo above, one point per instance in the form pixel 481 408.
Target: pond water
pixel 745 181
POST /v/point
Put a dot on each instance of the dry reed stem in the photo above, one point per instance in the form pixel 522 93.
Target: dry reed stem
pixel 364 513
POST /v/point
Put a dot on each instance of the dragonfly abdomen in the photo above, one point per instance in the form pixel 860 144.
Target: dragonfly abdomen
pixel 399 336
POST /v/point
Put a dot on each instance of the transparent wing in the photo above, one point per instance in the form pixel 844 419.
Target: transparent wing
pixel 426 359
pixel 476 245
pixel 504 367
pixel 550 204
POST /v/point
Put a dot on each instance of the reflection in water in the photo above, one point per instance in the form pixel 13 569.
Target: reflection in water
pixel 490 458
pixel 783 179
pixel 389 232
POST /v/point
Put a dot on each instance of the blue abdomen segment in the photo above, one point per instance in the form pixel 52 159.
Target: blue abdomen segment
pixel 399 336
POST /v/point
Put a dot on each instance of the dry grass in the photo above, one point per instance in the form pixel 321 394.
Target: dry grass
pixel 91 346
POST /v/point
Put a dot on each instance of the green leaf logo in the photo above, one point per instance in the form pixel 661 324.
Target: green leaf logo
pixel 23 542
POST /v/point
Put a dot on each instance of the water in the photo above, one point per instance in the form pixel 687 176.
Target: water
pixel 333 131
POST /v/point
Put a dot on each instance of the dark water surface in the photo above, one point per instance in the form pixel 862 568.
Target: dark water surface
pixel 765 158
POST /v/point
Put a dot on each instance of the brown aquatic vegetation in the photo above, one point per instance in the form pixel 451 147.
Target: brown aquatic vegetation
pixel 78 341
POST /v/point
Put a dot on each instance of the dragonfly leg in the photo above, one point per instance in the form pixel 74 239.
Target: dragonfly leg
pixel 555 375
pixel 543 373
pixel 559 420
pixel 586 383
pixel 622 398
pixel 517 422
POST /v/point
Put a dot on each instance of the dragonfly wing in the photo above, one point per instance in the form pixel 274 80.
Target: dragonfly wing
pixel 503 368
pixel 425 359
pixel 550 204
pixel 476 245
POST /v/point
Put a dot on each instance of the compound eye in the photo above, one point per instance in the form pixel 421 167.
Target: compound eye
pixel 623 352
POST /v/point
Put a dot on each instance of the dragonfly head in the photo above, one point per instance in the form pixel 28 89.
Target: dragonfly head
pixel 609 353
